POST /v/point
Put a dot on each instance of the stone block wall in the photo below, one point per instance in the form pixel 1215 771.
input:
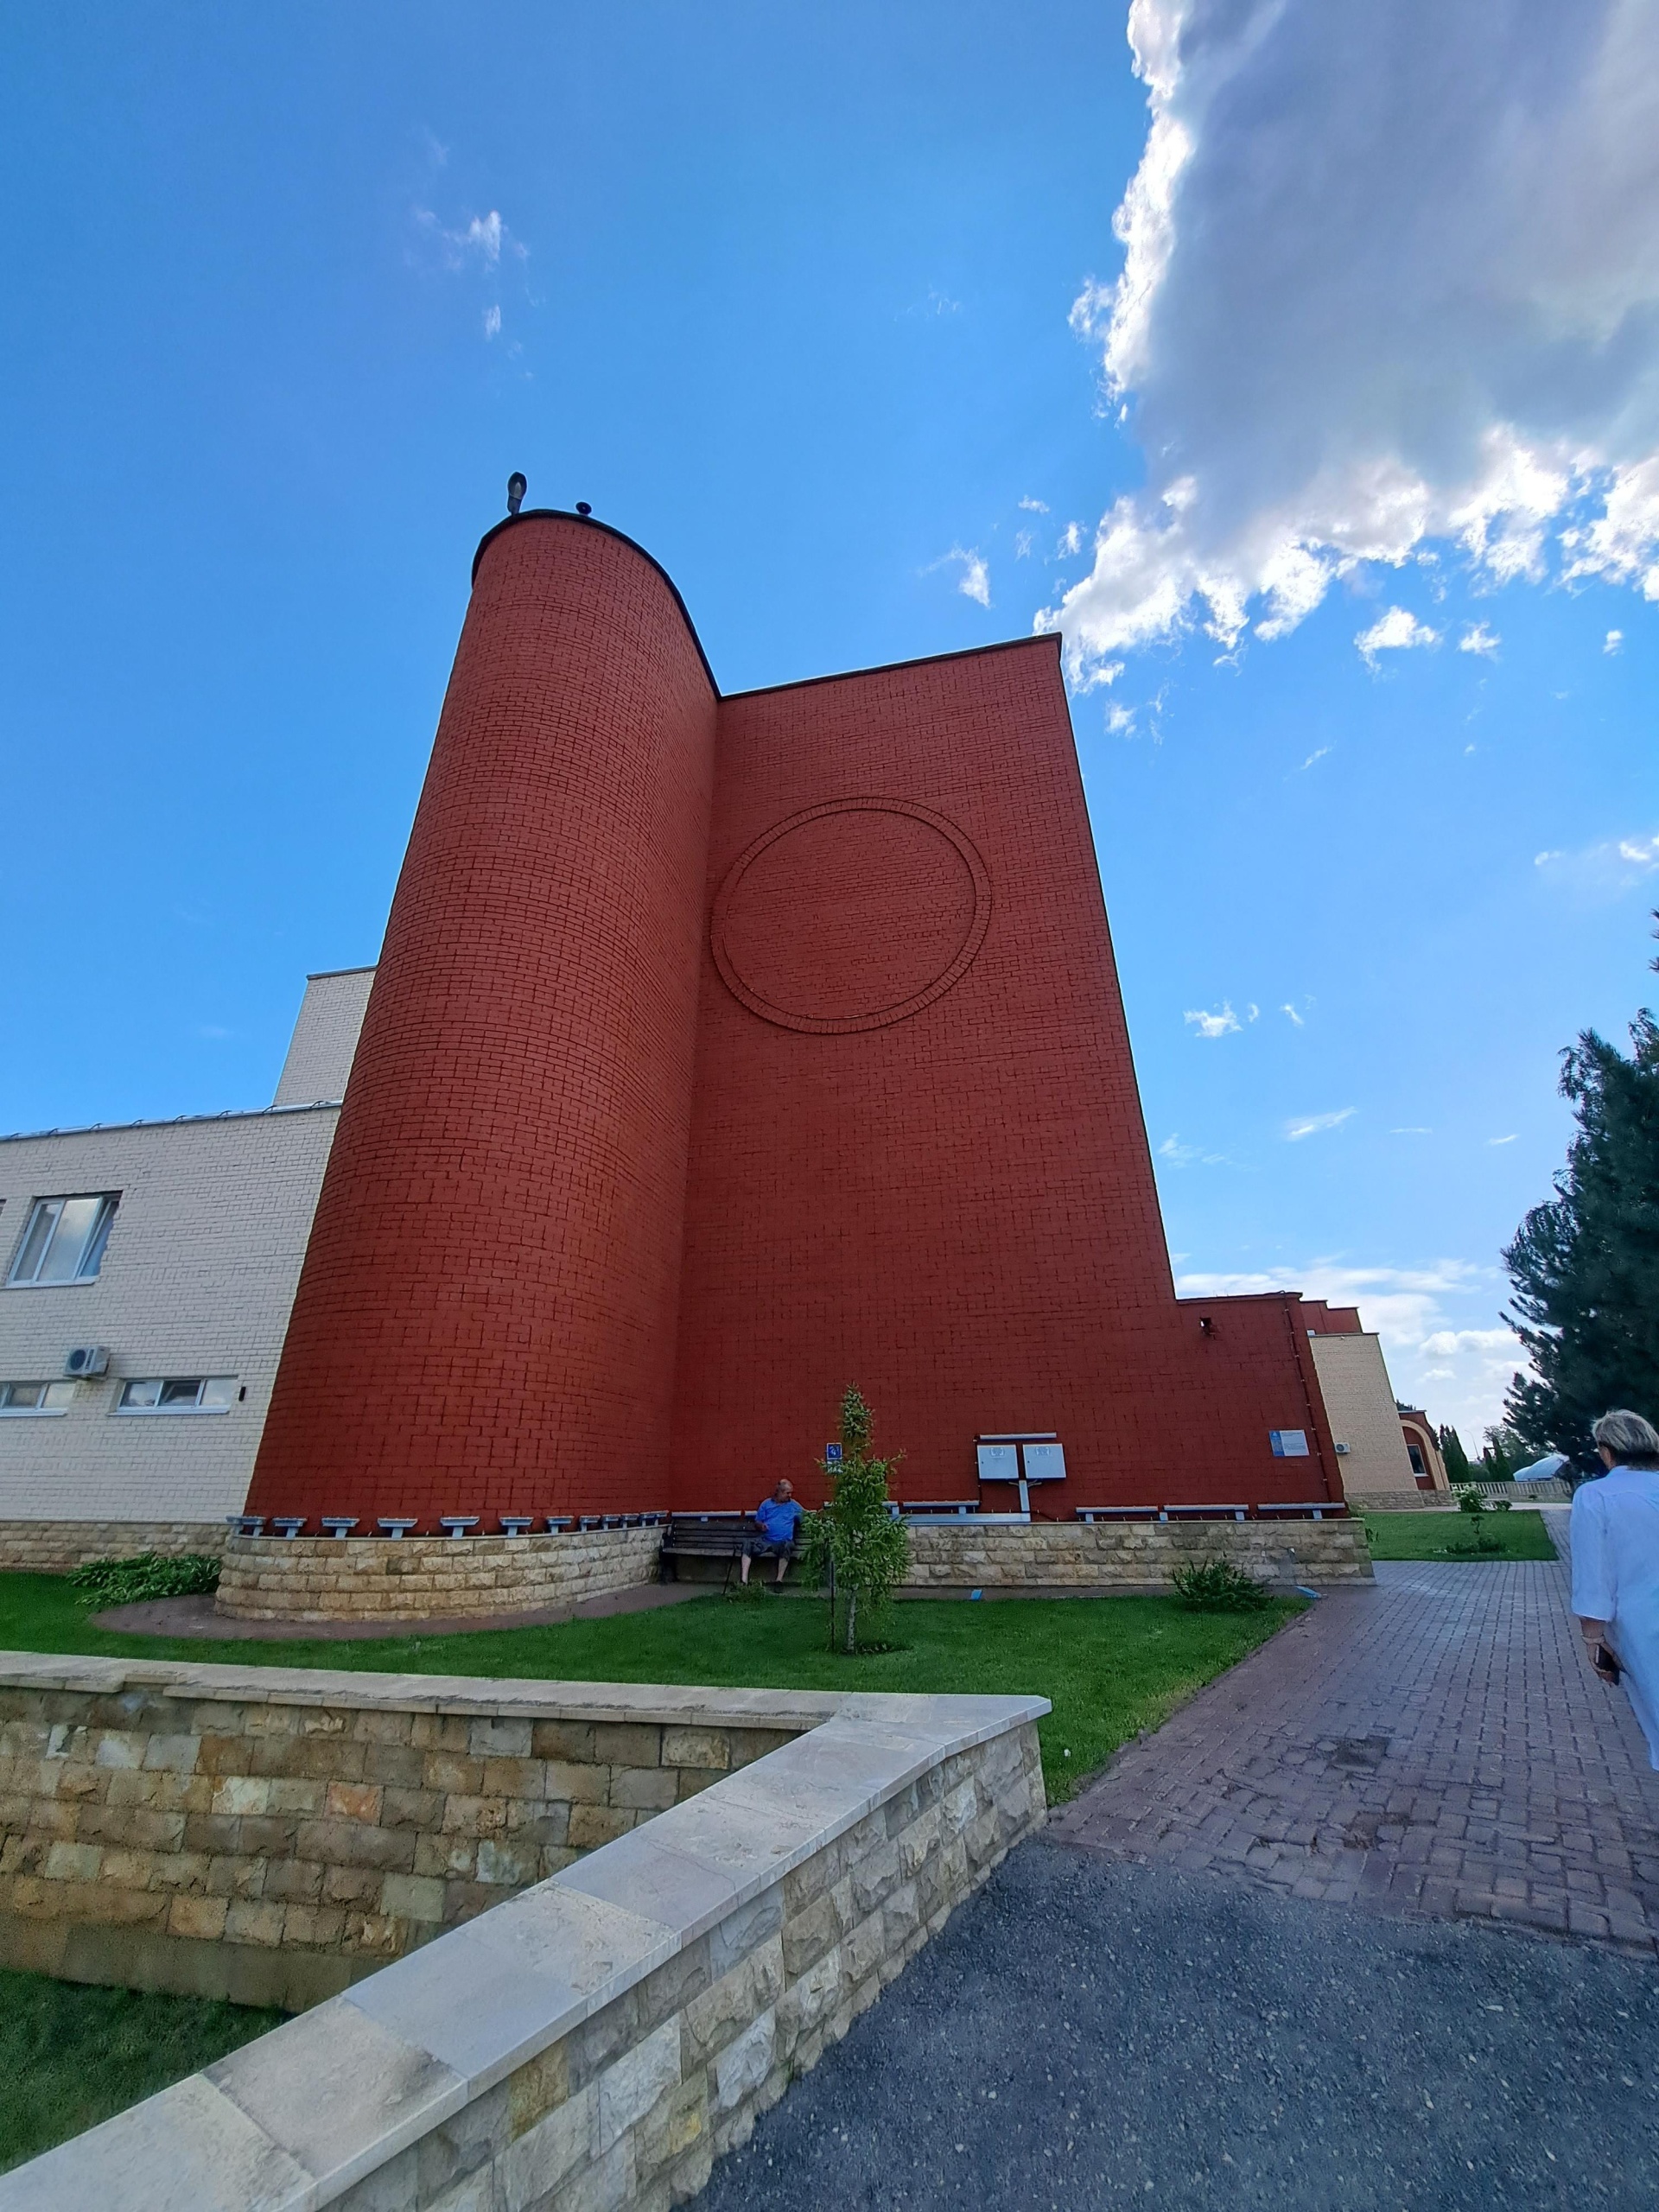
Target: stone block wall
pixel 1071 1555
pixel 600 2040
pixel 270 1840
pixel 428 1578
pixel 56 1547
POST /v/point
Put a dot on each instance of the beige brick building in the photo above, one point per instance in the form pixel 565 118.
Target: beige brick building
pixel 170 1250
pixel 1365 1418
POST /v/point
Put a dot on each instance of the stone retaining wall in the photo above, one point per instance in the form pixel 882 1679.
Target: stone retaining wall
pixel 428 1578
pixel 56 1547
pixel 271 1833
pixel 600 2040
pixel 1068 1554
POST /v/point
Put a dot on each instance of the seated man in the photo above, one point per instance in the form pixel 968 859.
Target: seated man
pixel 776 1518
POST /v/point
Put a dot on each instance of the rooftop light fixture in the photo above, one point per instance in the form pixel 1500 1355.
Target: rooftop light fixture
pixel 518 484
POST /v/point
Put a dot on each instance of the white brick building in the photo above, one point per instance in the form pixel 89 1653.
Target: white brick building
pixel 174 1247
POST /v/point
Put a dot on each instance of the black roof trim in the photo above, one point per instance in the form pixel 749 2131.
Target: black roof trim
pixel 587 522
pixel 891 667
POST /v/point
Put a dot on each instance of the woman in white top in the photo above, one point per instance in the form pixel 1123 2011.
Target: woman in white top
pixel 1615 1536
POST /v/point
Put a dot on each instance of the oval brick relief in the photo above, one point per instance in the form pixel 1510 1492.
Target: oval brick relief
pixel 850 915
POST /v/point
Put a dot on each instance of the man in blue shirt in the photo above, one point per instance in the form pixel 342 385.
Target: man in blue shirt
pixel 776 1518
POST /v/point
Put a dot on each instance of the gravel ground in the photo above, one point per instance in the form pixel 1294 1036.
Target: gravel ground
pixel 1085 2033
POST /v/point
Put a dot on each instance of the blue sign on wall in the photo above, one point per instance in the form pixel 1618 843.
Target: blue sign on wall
pixel 832 1453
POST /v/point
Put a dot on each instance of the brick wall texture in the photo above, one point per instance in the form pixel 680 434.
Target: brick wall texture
pixel 272 1852
pixel 726 1051
pixel 197 1280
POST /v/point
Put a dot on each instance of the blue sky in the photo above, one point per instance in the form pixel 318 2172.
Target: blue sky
pixel 825 308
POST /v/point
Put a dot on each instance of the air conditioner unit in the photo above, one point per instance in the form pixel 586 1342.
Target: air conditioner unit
pixel 1344 1447
pixel 86 1359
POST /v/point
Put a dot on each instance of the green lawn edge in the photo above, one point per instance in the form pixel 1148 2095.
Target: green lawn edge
pixel 1112 1667
pixel 72 2055
pixel 1433 1535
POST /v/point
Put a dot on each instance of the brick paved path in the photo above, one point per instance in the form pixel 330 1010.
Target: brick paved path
pixel 1433 1746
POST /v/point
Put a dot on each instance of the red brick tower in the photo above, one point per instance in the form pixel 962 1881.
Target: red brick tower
pixel 485 1319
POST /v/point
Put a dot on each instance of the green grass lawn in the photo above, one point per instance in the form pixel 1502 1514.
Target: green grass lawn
pixel 1110 1666
pixel 71 2056
pixel 1433 1535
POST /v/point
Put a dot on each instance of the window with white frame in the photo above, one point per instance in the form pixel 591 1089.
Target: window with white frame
pixel 35 1397
pixel 63 1241
pixel 178 1394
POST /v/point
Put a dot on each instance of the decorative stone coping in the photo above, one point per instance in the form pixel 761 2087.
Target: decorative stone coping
pixel 428 1578
pixel 1130 1555
pixel 600 2038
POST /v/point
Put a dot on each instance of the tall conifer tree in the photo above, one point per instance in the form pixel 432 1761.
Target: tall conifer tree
pixel 1586 1264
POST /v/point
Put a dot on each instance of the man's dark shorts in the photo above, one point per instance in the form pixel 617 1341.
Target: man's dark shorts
pixel 761 1546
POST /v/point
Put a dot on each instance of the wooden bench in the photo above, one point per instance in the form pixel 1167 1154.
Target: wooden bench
pixel 939 1509
pixel 1093 1513
pixel 1315 1508
pixel 706 1535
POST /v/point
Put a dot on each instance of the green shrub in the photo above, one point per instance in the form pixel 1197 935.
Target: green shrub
pixel 1215 1585
pixel 130 1581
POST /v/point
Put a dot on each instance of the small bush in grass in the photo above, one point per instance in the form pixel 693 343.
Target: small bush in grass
pixel 1215 1585
pixel 130 1581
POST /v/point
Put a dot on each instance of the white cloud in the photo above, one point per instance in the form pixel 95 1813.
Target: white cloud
pixel 1311 1124
pixel 1317 753
pixel 1120 720
pixel 1412 1130
pixel 1614 642
pixel 975 581
pixel 1602 871
pixel 1390 284
pixel 1288 1008
pixel 1034 507
pixel 1252 1012
pixel 1477 638
pixel 1398 630
pixel 1443 1343
pixel 1213 1024
pixel 1071 540
pixel 1023 542
pixel 478 242
pixel 493 322
pixel 1507 1139
pixel 1183 1155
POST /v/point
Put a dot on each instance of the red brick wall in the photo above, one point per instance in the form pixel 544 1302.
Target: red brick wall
pixel 485 1319
pixel 954 1205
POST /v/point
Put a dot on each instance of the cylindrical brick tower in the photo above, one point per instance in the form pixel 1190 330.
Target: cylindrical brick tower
pixel 485 1318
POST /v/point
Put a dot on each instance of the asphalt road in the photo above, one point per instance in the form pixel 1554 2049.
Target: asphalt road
pixel 1085 2033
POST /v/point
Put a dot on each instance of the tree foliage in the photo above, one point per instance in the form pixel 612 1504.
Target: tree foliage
pixel 1585 1265
pixel 856 1543
pixel 1458 1469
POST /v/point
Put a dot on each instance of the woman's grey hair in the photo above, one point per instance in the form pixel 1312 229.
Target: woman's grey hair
pixel 1628 1438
